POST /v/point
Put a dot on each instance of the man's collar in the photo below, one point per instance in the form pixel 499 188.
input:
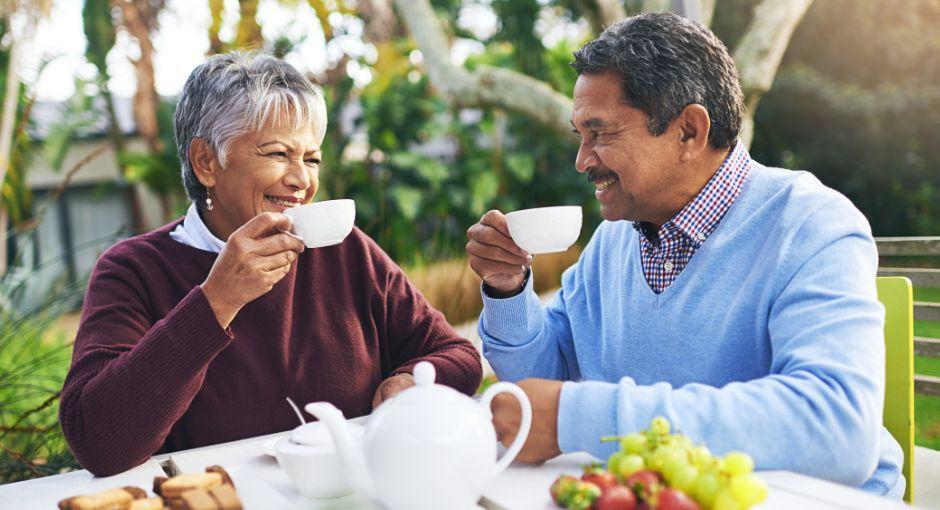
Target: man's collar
pixel 699 218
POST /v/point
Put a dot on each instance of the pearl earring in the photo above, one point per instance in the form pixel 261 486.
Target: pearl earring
pixel 208 201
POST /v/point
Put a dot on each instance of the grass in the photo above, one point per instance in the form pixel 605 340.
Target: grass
pixel 927 421
pixel 926 294
pixel 927 408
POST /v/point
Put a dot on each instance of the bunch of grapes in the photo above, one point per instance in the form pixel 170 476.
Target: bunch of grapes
pixel 663 471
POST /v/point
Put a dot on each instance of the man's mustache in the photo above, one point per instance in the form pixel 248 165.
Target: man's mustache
pixel 598 174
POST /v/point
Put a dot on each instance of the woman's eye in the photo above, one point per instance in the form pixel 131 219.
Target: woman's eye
pixel 312 161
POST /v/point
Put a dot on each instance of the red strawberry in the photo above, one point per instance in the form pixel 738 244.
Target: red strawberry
pixel 617 497
pixel 562 488
pixel 674 499
pixel 599 477
pixel 645 483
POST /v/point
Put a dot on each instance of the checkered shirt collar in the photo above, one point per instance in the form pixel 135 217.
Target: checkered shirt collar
pixel 699 218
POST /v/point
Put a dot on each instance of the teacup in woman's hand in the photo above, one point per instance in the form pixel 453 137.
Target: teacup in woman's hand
pixel 323 223
pixel 545 229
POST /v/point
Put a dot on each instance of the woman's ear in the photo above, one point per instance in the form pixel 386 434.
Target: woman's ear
pixel 203 162
pixel 694 126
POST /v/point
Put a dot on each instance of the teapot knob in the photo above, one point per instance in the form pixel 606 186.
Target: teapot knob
pixel 424 373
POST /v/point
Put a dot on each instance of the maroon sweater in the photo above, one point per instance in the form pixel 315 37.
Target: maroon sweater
pixel 152 370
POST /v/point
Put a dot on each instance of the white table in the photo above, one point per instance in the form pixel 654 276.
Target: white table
pixel 262 484
pixel 521 487
pixel 45 493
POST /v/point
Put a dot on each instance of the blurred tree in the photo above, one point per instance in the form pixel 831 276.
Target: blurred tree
pixel 757 56
pixel 857 102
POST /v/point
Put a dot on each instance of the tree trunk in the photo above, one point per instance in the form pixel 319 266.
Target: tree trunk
pixel 248 35
pixel 7 123
pixel 760 50
pixel 379 16
pixel 140 20
pixel 601 13
pixel 216 10
pixel 485 86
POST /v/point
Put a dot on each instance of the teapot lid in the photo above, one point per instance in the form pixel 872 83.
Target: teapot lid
pixel 425 392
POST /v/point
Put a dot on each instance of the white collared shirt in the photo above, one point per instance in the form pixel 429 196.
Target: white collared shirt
pixel 193 232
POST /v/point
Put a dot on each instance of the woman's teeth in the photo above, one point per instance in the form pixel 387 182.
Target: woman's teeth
pixel 281 202
pixel 604 184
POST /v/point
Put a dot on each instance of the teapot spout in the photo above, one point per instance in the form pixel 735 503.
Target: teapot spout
pixel 348 447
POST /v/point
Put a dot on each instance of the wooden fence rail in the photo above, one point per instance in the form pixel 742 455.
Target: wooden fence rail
pixel 923 311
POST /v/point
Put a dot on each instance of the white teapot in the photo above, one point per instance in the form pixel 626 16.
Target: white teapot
pixel 428 447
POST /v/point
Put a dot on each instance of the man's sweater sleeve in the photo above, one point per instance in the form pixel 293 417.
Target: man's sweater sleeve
pixel 819 410
pixel 522 338
pixel 132 377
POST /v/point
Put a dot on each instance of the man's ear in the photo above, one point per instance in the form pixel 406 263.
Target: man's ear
pixel 203 162
pixel 693 127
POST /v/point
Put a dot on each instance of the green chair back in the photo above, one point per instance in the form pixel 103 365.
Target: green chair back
pixel 896 294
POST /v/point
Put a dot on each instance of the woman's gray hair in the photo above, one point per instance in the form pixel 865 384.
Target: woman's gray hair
pixel 232 94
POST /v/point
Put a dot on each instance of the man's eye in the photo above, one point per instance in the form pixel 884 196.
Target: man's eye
pixel 278 154
pixel 312 161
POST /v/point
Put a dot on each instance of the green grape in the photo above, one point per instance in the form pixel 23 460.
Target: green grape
pixel 629 464
pixel 633 443
pixel 683 478
pixel 671 466
pixel 613 461
pixel 682 441
pixel 748 490
pixel 660 426
pixel 725 501
pixel 701 457
pixel 737 463
pixel 706 488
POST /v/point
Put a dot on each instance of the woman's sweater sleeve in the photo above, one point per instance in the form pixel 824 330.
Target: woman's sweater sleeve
pixel 133 375
pixel 416 331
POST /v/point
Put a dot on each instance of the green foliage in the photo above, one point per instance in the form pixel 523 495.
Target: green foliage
pixel 33 365
pixel 430 172
pixel 99 32
pixel 160 172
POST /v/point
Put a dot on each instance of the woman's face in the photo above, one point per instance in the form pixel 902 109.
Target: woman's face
pixel 270 170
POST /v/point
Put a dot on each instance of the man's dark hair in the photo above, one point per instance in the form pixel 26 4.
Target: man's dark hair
pixel 665 63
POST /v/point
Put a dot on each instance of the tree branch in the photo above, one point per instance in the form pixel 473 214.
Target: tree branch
pixel 485 86
pixel 761 49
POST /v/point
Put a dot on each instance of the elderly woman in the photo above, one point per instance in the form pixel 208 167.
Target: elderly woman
pixel 195 333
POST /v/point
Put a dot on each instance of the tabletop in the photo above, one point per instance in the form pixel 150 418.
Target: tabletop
pixel 261 483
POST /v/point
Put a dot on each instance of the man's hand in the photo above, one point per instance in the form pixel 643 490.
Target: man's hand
pixel 391 387
pixel 493 255
pixel 542 443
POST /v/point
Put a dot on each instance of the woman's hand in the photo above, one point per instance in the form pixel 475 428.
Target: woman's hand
pixel 256 257
pixel 391 387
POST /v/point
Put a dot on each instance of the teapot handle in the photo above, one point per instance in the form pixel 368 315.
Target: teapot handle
pixel 505 387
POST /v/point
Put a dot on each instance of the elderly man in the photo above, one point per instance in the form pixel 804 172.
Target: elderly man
pixel 734 299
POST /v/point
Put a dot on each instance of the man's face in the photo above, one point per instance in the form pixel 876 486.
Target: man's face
pixel 635 172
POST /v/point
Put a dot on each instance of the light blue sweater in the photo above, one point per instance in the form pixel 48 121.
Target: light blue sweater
pixel 770 341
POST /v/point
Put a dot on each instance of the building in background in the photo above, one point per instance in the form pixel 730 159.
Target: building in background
pixel 80 221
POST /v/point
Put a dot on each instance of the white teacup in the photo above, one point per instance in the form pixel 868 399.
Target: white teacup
pixel 545 229
pixel 323 223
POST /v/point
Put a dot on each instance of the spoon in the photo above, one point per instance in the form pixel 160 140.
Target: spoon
pixel 297 411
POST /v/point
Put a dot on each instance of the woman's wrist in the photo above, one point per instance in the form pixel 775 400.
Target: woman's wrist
pixel 224 311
